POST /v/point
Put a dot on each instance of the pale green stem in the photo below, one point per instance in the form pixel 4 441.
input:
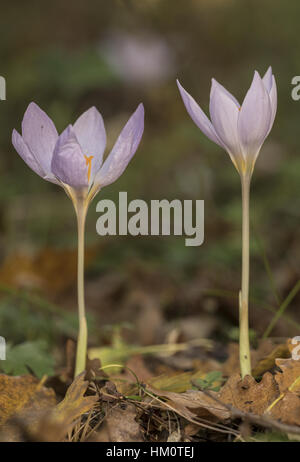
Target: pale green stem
pixel 81 210
pixel 245 362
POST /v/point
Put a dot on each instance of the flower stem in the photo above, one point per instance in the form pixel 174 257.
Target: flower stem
pixel 245 363
pixel 81 211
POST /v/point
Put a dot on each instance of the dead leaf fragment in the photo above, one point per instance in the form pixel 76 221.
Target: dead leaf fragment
pixel 287 409
pixel 191 429
pixel 247 394
pixel 17 394
pixel 194 403
pixel 262 359
pixel 74 404
pixel 33 415
pixel 120 425
pixel 290 372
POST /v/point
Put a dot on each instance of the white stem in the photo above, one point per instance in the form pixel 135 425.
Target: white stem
pixel 244 294
pixel 81 210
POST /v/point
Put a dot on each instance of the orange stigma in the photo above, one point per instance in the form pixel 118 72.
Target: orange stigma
pixel 88 161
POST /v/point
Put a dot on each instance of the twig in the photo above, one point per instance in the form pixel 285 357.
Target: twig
pixel 263 421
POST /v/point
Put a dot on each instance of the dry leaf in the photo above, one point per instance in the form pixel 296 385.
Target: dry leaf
pixel 194 403
pixel 17 394
pixel 287 409
pixel 247 394
pixel 74 404
pixel 287 406
pixel 290 373
pixel 262 359
pixel 39 419
pixel 120 425
pixel 138 365
pixel 191 430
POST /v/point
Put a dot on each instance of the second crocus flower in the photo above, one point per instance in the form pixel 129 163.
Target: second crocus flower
pixel 241 131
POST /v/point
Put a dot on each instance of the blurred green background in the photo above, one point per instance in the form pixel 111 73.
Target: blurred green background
pixel 68 56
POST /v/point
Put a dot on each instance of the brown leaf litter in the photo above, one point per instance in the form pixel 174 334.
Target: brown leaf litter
pixel 17 394
pixel 286 407
pixel 135 405
pixel 120 425
pixel 28 410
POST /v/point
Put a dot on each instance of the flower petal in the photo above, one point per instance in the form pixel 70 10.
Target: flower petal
pixel 23 150
pixel 68 163
pixel 267 79
pixel 123 150
pixel 198 116
pixel 224 112
pixel 270 85
pixel 273 99
pixel 215 84
pixel 90 132
pixel 254 119
pixel 40 135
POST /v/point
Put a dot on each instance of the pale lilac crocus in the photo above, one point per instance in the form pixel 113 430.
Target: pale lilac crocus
pixel 74 160
pixel 241 130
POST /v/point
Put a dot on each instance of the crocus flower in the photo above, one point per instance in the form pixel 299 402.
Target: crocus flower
pixel 74 160
pixel 241 131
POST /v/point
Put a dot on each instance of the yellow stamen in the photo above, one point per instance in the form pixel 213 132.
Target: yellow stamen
pixel 88 161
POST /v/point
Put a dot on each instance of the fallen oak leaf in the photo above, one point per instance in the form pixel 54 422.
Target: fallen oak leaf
pixel 34 406
pixel 121 425
pixel 247 394
pixel 18 394
pixel 286 408
pixel 23 401
pixel 202 423
pixel 74 404
pixel 244 394
pixel 263 421
pixel 290 372
pixel 287 405
pixel 262 359
pixel 193 404
pixel 51 423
